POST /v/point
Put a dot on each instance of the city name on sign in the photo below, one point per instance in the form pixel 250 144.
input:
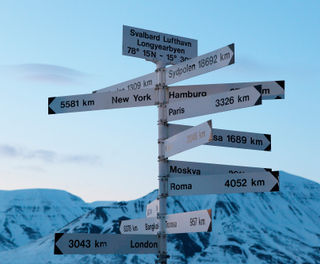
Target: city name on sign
pixel 82 243
pixel 189 222
pixel 263 181
pixel 100 101
pixel 199 65
pixel 269 90
pixel 189 138
pixel 231 138
pixel 185 168
pixel 156 46
pixel 245 97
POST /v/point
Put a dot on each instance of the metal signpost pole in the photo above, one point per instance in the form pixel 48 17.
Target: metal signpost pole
pixel 180 102
pixel 163 164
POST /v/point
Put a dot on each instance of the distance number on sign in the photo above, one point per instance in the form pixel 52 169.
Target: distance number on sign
pixel 236 183
pixel 76 103
pixel 237 139
pixel 208 61
pixel 225 101
pixel 79 243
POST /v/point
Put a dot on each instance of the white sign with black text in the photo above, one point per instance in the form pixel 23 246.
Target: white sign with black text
pixel 100 101
pixel 269 90
pixel 190 138
pixel 199 65
pixel 83 243
pixel 157 46
pixel 245 97
pixel 185 168
pixel 231 138
pixel 152 208
pixel 263 181
pixel 147 81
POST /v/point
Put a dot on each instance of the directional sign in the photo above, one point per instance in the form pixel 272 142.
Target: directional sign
pixel 245 97
pixel 267 181
pixel 230 138
pixel 188 139
pixel 185 168
pixel 197 221
pixel 153 208
pixel 147 226
pixel 82 243
pixel 156 46
pixel 199 65
pixel 143 82
pixel 269 90
pixel 189 222
pixel 90 102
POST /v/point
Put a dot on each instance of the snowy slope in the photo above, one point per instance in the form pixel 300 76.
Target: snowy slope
pixel 27 215
pixel 247 228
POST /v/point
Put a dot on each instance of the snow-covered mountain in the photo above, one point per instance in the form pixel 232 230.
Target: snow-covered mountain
pixel 278 227
pixel 27 215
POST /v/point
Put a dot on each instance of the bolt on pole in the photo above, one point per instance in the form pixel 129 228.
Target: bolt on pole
pixel 163 164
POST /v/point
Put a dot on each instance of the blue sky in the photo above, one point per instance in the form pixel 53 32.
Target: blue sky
pixel 56 48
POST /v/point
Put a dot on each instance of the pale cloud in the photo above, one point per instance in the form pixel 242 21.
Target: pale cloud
pixel 8 151
pixel 47 156
pixel 44 73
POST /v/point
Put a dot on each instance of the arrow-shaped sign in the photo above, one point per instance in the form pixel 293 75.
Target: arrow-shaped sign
pixel 90 102
pixel 264 181
pixel 188 139
pixel 185 168
pixel 152 208
pixel 199 65
pixel 142 82
pixel 231 138
pixel 190 68
pixel 82 243
pixel 269 90
pixel 196 221
pixel 214 103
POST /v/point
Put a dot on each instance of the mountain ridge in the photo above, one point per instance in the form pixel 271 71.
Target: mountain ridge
pixel 26 215
pixel 272 227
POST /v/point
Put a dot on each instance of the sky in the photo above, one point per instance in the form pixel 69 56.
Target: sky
pixel 58 48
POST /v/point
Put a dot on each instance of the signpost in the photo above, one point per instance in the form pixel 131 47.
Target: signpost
pixel 185 168
pixel 90 102
pixel 174 103
pixel 156 46
pixel 269 90
pixel 245 97
pixel 188 139
pixel 231 138
pixel 82 243
pixel 267 181
pixel 196 221
pixel 202 64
